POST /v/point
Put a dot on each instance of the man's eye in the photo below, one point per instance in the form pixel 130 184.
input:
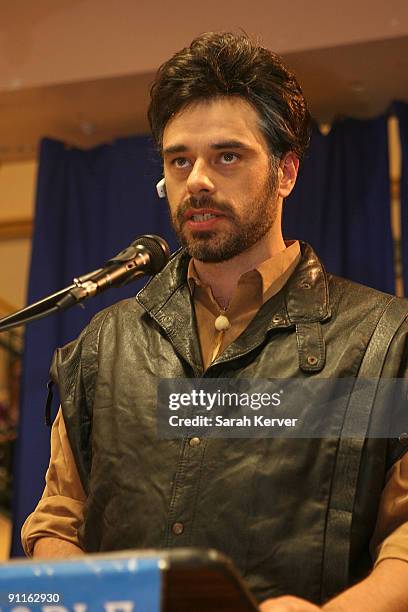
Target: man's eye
pixel 180 162
pixel 229 158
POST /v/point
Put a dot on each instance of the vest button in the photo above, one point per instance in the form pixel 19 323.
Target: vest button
pixel 177 528
pixel 277 319
pixel 312 360
pixel 194 441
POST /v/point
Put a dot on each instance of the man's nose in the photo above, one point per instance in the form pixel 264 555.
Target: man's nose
pixel 200 180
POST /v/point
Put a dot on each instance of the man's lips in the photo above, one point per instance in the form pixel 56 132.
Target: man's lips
pixel 202 218
pixel 191 212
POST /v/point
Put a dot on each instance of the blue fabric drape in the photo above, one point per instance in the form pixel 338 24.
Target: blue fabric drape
pixel 89 205
pixel 341 202
pixel 401 109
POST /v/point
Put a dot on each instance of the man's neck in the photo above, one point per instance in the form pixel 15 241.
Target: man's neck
pixel 223 277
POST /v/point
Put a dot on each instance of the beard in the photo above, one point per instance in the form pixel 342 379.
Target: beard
pixel 241 233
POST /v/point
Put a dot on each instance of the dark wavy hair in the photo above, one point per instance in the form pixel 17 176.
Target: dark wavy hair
pixel 226 64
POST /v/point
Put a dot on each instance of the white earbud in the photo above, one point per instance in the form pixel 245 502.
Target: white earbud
pixel 161 188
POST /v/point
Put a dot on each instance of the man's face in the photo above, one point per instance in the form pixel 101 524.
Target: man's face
pixel 221 183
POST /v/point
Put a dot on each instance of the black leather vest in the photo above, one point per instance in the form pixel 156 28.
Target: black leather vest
pixel 295 515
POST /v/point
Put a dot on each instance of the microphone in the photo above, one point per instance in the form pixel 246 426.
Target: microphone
pixel 147 255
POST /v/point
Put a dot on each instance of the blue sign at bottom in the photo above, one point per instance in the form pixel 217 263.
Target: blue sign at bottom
pixel 111 584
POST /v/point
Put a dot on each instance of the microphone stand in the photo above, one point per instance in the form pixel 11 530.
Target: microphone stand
pixel 45 306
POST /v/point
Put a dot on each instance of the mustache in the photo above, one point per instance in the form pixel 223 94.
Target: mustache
pixel 204 201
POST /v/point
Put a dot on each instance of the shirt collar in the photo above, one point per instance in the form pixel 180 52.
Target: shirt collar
pixel 268 278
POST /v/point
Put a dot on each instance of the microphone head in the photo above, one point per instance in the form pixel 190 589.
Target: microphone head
pixel 158 250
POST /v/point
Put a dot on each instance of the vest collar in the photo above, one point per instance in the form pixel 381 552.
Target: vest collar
pixel 306 294
pixel 304 298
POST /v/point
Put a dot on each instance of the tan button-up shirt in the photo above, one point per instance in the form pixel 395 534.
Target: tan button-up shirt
pixel 59 513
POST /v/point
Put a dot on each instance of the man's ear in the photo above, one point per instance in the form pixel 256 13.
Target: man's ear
pixel 287 173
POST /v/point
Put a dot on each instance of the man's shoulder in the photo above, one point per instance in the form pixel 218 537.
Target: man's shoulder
pixel 353 297
pixel 105 324
pixel 128 308
pixel 111 315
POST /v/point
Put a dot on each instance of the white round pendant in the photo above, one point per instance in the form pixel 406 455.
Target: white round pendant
pixel 222 323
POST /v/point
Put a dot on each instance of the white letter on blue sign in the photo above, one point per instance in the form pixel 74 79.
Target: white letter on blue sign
pixel 119 606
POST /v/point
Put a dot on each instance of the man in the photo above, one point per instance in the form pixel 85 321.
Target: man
pixel 297 516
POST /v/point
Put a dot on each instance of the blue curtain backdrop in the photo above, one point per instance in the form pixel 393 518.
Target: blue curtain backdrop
pixel 89 205
pixel 341 202
pixel 401 110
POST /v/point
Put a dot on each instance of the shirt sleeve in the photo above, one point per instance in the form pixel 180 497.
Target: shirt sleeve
pixel 390 538
pixel 59 512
